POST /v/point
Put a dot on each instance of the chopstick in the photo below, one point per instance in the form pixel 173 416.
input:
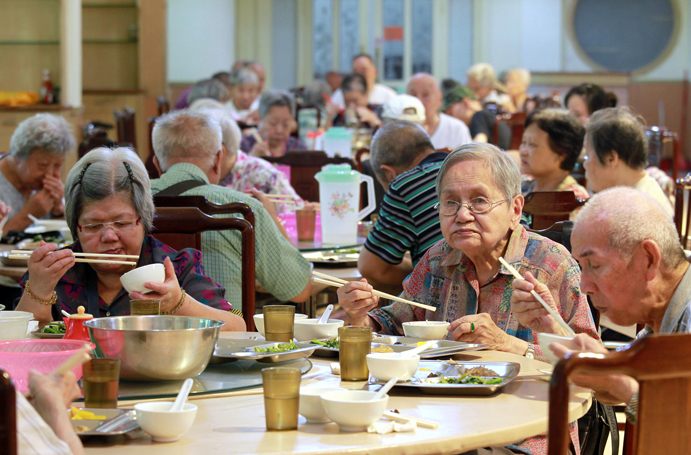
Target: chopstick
pixel 90 261
pixel 337 282
pixel 553 313
pixel 78 254
pixel 404 419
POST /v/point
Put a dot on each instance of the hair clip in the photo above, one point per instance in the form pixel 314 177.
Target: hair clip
pixel 81 174
pixel 129 171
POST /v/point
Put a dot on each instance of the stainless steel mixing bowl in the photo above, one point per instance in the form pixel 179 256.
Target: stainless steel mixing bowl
pixel 156 348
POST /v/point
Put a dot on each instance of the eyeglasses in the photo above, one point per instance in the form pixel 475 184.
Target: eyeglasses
pixel 100 228
pixel 478 206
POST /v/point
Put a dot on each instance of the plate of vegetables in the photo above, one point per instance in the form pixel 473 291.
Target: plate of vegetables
pixel 55 329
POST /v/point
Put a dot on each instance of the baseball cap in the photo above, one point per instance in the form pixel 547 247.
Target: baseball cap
pixel 404 107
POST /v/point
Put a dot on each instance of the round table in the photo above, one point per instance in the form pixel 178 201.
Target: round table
pixel 234 423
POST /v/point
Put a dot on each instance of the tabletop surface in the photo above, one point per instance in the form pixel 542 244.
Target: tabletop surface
pixel 234 423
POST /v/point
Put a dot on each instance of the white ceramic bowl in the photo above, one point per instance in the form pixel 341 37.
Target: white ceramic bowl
pixel 545 339
pixel 259 321
pixel 311 403
pixel 353 410
pixel 385 366
pixel 164 426
pixel 308 329
pixel 14 324
pixel 134 279
pixel 428 330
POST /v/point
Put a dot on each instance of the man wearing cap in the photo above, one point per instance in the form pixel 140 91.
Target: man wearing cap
pixel 406 164
pixel 444 130
pixel 460 102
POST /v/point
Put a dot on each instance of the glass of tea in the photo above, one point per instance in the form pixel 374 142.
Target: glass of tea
pixel 354 343
pixel 281 397
pixel 279 321
pixel 145 307
pixel 100 379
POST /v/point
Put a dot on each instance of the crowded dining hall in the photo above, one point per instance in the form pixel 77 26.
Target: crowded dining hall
pixel 344 226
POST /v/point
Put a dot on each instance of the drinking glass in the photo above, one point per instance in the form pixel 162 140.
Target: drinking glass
pixel 281 397
pixel 354 343
pixel 145 307
pixel 279 321
pixel 100 378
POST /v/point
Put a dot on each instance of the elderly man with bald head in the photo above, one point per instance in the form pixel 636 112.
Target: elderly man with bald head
pixel 635 271
pixel 377 94
pixel 444 130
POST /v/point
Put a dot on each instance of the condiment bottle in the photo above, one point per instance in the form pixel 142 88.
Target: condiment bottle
pixel 74 325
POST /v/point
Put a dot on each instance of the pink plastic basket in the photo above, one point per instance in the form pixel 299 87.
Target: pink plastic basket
pixel 17 357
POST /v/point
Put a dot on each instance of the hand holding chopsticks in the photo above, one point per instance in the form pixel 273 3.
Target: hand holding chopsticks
pixel 85 257
pixel 564 326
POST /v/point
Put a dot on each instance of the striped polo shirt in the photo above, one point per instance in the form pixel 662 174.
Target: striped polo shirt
pixel 407 220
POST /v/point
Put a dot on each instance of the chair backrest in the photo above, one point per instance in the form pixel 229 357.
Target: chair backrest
pixel 304 165
pixel 682 209
pixel 205 206
pixel 549 207
pixel 181 227
pixel 8 416
pixel 162 105
pixel 659 364
pixel 515 122
pixel 124 122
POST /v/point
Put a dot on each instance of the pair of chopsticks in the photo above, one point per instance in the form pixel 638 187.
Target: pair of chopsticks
pixel 337 282
pixel 78 358
pixel 84 257
pixel 281 198
pixel 405 419
pixel 553 313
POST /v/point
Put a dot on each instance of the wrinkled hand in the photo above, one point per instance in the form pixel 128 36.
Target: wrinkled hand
pixel 168 292
pixel 368 116
pixel 50 393
pixel 46 267
pixel 40 203
pixel 611 388
pixel 486 332
pixel 528 311
pixel 356 298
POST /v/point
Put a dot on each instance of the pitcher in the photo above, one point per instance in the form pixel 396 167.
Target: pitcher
pixel 339 195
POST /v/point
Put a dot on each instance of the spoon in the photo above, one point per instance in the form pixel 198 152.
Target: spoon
pixel 182 396
pixel 415 351
pixel 325 317
pixel 385 388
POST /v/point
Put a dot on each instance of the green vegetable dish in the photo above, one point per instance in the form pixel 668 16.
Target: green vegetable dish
pixel 280 348
pixel 469 379
pixel 327 344
pixel 54 327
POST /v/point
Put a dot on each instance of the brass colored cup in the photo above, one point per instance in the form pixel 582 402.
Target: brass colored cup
pixel 101 378
pixel 281 397
pixel 145 307
pixel 279 322
pixel 305 220
pixel 354 343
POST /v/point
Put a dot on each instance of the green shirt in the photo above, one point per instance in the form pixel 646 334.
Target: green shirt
pixel 279 266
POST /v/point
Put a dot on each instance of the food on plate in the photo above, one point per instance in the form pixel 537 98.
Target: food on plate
pixel 382 348
pixel 56 327
pixel 81 414
pixel 327 344
pixel 280 348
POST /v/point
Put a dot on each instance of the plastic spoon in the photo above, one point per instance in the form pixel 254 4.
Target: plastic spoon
pixel 325 317
pixel 182 396
pixel 385 388
pixel 415 351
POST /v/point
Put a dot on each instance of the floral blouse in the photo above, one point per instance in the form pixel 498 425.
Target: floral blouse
pixel 74 287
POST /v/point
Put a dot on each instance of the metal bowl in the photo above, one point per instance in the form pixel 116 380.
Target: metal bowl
pixel 156 348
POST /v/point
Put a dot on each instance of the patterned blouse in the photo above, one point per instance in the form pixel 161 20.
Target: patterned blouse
pixel 253 172
pixel 446 279
pixel 73 287
pixel 292 144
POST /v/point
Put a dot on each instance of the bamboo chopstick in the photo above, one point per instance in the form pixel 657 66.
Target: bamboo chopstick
pixel 77 254
pixel 404 419
pixel 337 282
pixel 553 313
pixel 90 261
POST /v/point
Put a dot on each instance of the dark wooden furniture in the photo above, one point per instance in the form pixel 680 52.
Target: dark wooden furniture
pixel 181 227
pixel 659 365
pixel 549 207
pixel 516 123
pixel 125 124
pixel 8 416
pixel 682 209
pixel 304 165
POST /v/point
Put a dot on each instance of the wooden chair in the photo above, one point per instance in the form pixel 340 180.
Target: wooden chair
pixel 516 123
pixel 658 138
pixel 304 165
pixel 205 206
pixel 659 365
pixel 682 209
pixel 181 227
pixel 549 207
pixel 8 416
pixel 162 105
pixel 124 121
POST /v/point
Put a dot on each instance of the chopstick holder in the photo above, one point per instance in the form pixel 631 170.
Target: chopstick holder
pixel 549 309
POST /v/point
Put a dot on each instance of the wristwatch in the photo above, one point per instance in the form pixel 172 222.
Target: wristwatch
pixel 530 352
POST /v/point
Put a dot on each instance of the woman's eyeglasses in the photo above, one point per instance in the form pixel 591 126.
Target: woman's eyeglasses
pixel 478 206
pixel 100 228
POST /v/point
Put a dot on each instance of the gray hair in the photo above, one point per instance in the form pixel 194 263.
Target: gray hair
pixel 243 76
pixel 105 172
pixel 504 170
pixel 230 130
pixel 46 132
pixel 208 88
pixel 630 217
pixel 186 136
pixel 398 143
pixel 275 98
pixel 522 73
pixel 483 74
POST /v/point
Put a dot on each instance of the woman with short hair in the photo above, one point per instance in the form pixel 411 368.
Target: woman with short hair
pixel 110 210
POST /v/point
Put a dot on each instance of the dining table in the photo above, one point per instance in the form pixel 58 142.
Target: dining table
pixel 234 422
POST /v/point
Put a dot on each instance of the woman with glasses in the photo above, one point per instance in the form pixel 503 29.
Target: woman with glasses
pixel 109 210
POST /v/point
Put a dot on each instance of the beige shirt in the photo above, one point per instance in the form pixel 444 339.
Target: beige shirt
pixel 649 186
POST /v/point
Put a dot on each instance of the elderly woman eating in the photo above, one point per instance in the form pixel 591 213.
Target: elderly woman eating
pixel 110 211
pixel 30 172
